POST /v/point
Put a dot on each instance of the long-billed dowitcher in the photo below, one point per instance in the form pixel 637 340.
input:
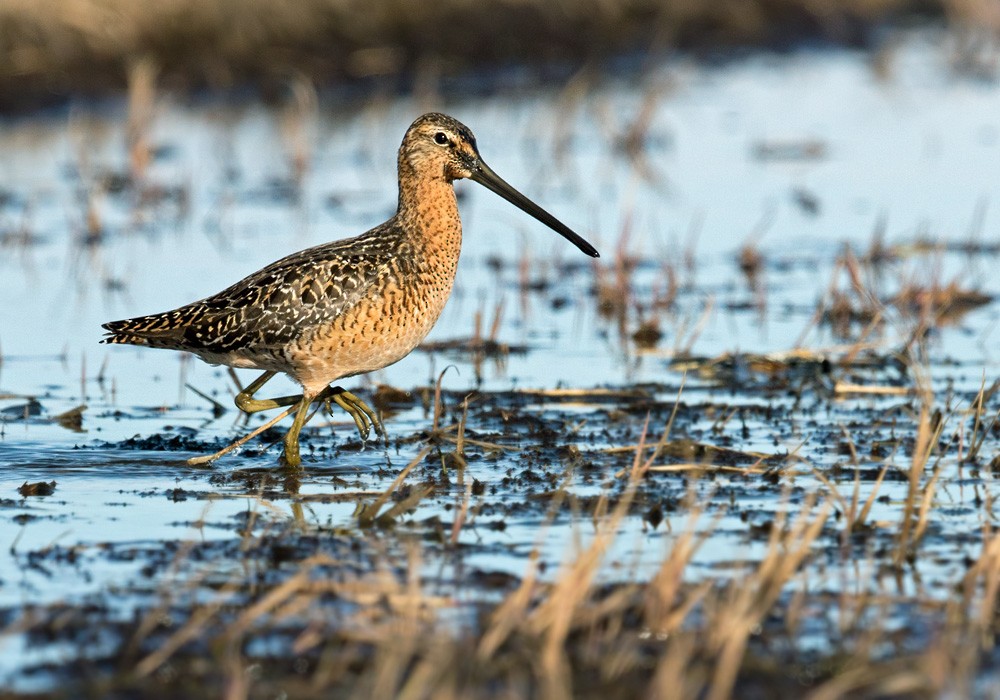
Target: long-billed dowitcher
pixel 350 306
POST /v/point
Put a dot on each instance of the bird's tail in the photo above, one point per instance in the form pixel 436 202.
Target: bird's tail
pixel 144 330
pixel 124 339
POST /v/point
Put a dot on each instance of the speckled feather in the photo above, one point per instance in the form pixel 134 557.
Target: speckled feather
pixel 350 306
pixel 259 316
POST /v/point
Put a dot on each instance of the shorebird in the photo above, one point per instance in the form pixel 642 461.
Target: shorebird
pixel 347 307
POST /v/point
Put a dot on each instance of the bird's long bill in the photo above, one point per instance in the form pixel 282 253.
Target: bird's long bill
pixel 485 176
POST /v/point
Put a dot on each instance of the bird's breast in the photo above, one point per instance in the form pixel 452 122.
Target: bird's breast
pixel 381 328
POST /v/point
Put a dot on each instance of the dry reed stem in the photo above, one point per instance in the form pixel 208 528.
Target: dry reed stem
pixel 979 436
pixel 910 533
pixel 438 403
pixel 699 327
pixel 408 503
pixel 298 126
pixel 743 608
pixel 554 617
pixel 142 77
pixel 460 515
pixel 860 343
pixel 497 321
pixel 870 501
pixel 856 491
pixel 369 513
pixel 701 467
pixel 846 388
pixel 208 459
pixel 460 432
pixel 217 408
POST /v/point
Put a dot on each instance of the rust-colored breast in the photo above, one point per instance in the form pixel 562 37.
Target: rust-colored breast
pixel 379 330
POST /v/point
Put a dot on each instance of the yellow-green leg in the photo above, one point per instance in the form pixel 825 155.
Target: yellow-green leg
pixel 248 404
pixel 291 454
pixel 364 417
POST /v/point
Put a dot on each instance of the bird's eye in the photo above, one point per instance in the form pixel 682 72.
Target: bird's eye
pixel 441 138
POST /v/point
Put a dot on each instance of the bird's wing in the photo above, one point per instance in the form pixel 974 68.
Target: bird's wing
pixel 270 307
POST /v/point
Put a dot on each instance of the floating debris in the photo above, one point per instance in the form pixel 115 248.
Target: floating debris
pixel 647 335
pixel 72 419
pixel 950 302
pixel 807 201
pixel 39 488
pixel 23 411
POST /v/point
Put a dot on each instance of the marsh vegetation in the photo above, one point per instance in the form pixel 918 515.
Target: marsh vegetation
pixel 749 452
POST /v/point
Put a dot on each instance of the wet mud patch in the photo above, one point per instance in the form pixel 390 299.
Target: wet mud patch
pixel 751 487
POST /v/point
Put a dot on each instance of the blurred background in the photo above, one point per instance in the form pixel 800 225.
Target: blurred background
pixel 54 50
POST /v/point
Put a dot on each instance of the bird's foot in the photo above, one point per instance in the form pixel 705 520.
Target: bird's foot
pixel 290 456
pixel 364 417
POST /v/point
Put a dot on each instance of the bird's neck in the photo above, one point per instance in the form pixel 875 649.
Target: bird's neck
pixel 428 211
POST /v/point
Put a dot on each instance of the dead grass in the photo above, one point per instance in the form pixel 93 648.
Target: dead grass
pixel 291 608
pixel 320 624
pixel 573 637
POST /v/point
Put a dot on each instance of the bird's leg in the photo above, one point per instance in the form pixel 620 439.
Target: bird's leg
pixel 364 417
pixel 208 459
pixel 248 404
pixel 291 454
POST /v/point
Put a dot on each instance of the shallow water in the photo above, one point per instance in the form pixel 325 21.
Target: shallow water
pixel 914 150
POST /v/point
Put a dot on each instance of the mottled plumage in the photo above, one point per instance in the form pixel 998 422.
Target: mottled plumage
pixel 350 306
pixel 260 321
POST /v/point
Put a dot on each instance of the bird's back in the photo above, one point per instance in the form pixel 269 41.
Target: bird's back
pixel 252 322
